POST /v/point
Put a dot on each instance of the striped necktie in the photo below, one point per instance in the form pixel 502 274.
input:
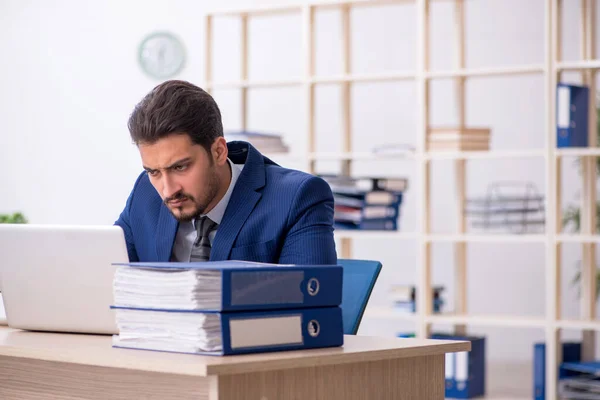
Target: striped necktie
pixel 201 247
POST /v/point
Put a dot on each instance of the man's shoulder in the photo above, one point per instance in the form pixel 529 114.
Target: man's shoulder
pixel 287 176
pixel 295 181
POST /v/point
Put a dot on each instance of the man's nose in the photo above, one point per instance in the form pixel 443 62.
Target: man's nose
pixel 170 186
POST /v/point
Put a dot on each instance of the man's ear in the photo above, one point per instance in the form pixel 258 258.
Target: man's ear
pixel 219 151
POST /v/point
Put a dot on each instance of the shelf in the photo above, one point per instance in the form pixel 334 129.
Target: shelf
pixel 358 234
pixel 335 156
pixel 473 155
pixel 577 152
pixel 254 84
pixel 577 65
pixel 482 320
pixel 285 9
pixel 367 156
pixel 497 71
pixel 389 313
pixel 509 238
pixel 487 320
pixel 576 238
pixel 579 324
pixel 373 77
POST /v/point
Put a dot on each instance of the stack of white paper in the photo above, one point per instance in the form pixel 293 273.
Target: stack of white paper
pixel 175 289
pixel 184 332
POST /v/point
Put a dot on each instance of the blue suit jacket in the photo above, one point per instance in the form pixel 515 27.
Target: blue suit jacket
pixel 274 215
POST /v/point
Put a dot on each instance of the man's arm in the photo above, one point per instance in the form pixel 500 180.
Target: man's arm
pixel 310 239
pixel 124 223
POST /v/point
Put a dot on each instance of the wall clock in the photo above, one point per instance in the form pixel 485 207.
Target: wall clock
pixel 161 55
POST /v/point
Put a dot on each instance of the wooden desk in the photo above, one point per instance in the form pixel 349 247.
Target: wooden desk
pixel 70 366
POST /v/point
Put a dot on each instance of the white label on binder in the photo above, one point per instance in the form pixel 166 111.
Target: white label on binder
pixel 267 331
pixel 462 366
pixel 564 108
pixel 449 370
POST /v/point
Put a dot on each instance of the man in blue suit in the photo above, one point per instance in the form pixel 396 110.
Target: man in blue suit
pixel 201 198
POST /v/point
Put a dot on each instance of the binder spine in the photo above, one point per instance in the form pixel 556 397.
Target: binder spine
pixel 282 288
pixel 297 329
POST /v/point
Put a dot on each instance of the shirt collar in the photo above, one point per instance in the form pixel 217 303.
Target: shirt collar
pixel 218 211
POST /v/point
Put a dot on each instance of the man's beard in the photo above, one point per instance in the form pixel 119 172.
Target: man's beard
pixel 212 188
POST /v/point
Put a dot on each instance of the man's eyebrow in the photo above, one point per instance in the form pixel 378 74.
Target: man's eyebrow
pixel 176 163
pixel 179 162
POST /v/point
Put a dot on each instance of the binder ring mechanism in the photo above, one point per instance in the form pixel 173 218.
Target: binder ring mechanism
pixel 314 328
pixel 312 287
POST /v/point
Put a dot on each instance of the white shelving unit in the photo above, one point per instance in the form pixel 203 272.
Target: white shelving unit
pixel 551 70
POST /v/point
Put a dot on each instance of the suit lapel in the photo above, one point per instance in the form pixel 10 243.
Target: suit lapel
pixel 243 199
pixel 165 234
pixel 241 204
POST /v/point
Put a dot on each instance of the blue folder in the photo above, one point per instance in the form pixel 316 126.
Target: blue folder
pixel 259 332
pixel 572 113
pixel 247 285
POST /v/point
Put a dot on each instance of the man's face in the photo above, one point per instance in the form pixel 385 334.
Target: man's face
pixel 183 173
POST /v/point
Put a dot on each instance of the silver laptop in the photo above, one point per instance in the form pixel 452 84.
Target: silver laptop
pixel 59 278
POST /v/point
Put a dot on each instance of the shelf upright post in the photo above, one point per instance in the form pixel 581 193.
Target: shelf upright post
pixel 423 172
pixel 244 70
pixel 460 248
pixel 346 243
pixel 208 52
pixel 588 172
pixel 552 53
pixel 308 45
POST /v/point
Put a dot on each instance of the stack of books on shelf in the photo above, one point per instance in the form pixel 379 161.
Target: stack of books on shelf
pixel 452 139
pixel 367 203
pixel 404 298
pixel 227 307
pixel 264 142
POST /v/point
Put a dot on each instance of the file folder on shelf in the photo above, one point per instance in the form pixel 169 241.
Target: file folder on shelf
pixel 194 332
pixel 226 285
pixel 572 121
pixel 571 351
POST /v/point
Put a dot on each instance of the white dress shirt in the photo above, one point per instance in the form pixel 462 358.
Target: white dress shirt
pixel 186 233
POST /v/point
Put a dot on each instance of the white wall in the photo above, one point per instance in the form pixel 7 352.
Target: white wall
pixel 69 79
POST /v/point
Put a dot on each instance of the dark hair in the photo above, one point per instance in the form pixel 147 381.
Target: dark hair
pixel 176 107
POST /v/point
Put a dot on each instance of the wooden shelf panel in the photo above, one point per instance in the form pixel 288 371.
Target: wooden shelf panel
pixel 577 152
pixel 578 65
pixel 576 238
pixel 389 313
pixel 358 234
pixel 284 9
pixel 508 238
pixel 491 154
pixel 382 312
pixel 579 324
pixel 488 320
pixel 372 77
pixel 254 84
pixel 491 71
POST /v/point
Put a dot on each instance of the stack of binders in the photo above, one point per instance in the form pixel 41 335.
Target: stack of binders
pixel 367 203
pixel 227 307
